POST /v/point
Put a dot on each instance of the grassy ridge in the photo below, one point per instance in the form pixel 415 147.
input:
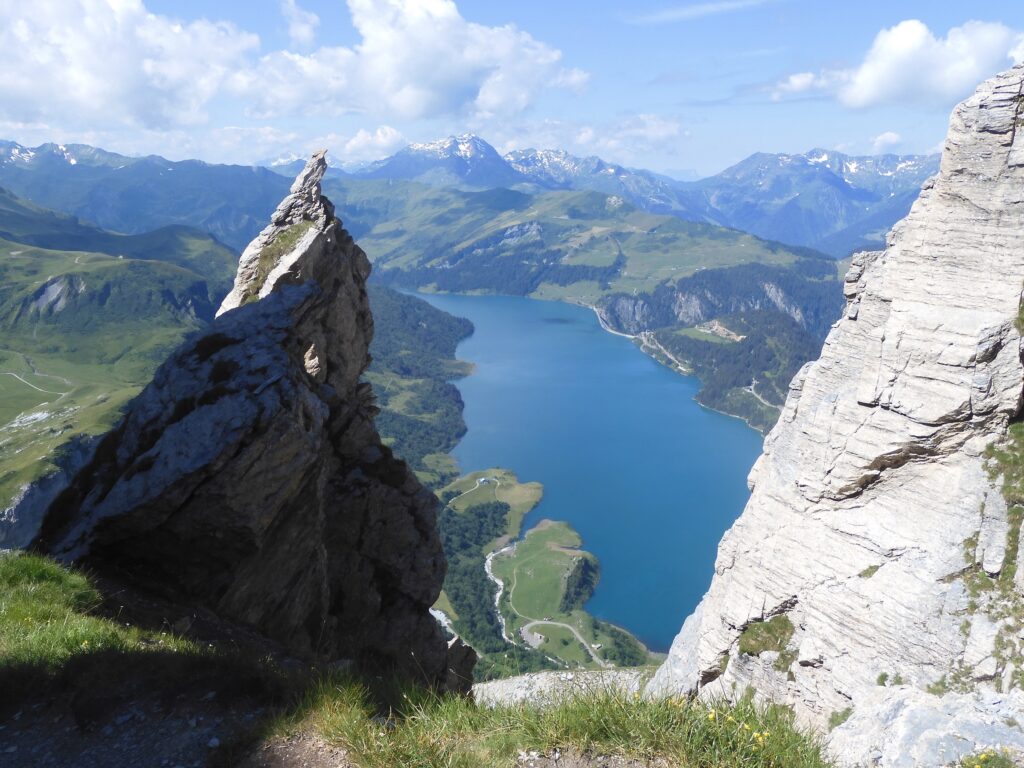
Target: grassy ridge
pixel 573 245
pixel 88 329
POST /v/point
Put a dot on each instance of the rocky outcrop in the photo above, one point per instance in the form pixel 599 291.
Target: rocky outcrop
pixel 249 477
pixel 876 531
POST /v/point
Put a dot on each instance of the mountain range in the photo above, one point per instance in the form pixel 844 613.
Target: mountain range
pixel 138 194
pixel 821 199
pixel 827 200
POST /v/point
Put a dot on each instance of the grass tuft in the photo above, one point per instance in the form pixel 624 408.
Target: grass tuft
pixel 452 732
pixel 771 635
pixel 271 255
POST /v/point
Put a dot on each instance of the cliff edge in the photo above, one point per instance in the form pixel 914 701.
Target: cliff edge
pixel 249 477
pixel 869 582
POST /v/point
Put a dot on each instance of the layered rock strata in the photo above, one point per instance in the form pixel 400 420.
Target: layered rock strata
pixel 249 476
pixel 874 513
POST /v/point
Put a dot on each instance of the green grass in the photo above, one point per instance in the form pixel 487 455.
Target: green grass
pixel 425 226
pixel 562 644
pixel 534 575
pixel 502 485
pixel 57 638
pixel 429 731
pixel 700 335
pixel 536 571
pixel 272 253
pixel 771 635
pixel 101 348
pixel 838 718
pixel 32 430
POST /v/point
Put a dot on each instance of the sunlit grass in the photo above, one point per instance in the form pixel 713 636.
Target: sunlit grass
pixel 434 731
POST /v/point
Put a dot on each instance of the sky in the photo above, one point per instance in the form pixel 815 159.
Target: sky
pixel 676 87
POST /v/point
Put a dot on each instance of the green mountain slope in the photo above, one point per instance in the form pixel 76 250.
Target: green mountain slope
pixel 83 323
pixel 193 249
pixel 564 244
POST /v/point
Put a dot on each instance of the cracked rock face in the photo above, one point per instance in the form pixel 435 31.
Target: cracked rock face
pixel 249 476
pixel 872 504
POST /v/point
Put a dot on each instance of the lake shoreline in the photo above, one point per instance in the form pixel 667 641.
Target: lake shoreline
pixel 544 369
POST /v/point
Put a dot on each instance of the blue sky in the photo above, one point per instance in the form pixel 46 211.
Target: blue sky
pixel 664 85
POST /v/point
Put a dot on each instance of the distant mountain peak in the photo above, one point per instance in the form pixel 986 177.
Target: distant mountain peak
pixel 466 146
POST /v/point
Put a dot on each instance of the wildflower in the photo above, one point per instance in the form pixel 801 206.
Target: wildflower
pixel 711 715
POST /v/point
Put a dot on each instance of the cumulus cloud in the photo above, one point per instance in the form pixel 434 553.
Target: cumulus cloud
pixel 371 145
pixel 302 24
pixel 884 142
pixel 907 63
pixel 98 63
pixel 415 59
pixel 102 62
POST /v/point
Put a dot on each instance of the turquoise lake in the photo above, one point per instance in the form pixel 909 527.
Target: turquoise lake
pixel 650 479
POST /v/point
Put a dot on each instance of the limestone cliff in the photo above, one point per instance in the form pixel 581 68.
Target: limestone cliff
pixel 875 523
pixel 249 477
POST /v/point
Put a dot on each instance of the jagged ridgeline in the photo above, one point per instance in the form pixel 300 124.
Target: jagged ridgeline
pixel 874 581
pixel 249 476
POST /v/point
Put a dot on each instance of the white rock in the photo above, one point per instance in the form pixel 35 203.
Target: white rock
pixel 878 459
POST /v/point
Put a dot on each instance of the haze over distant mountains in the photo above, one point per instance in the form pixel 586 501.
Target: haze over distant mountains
pixel 823 199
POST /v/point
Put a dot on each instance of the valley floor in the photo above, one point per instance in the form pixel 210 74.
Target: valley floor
pixel 531 577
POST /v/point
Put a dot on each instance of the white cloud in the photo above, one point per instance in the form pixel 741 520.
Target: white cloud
pixel 631 141
pixel 804 82
pixel 696 11
pixel 104 62
pixel 415 59
pixel 884 142
pixel 302 24
pixel 371 145
pixel 95 64
pixel 907 63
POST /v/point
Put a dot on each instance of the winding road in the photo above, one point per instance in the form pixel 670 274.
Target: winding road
pixel 532 622
pixel 538 622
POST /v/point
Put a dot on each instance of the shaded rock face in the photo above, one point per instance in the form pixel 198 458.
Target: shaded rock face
pixel 248 475
pixel 873 507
